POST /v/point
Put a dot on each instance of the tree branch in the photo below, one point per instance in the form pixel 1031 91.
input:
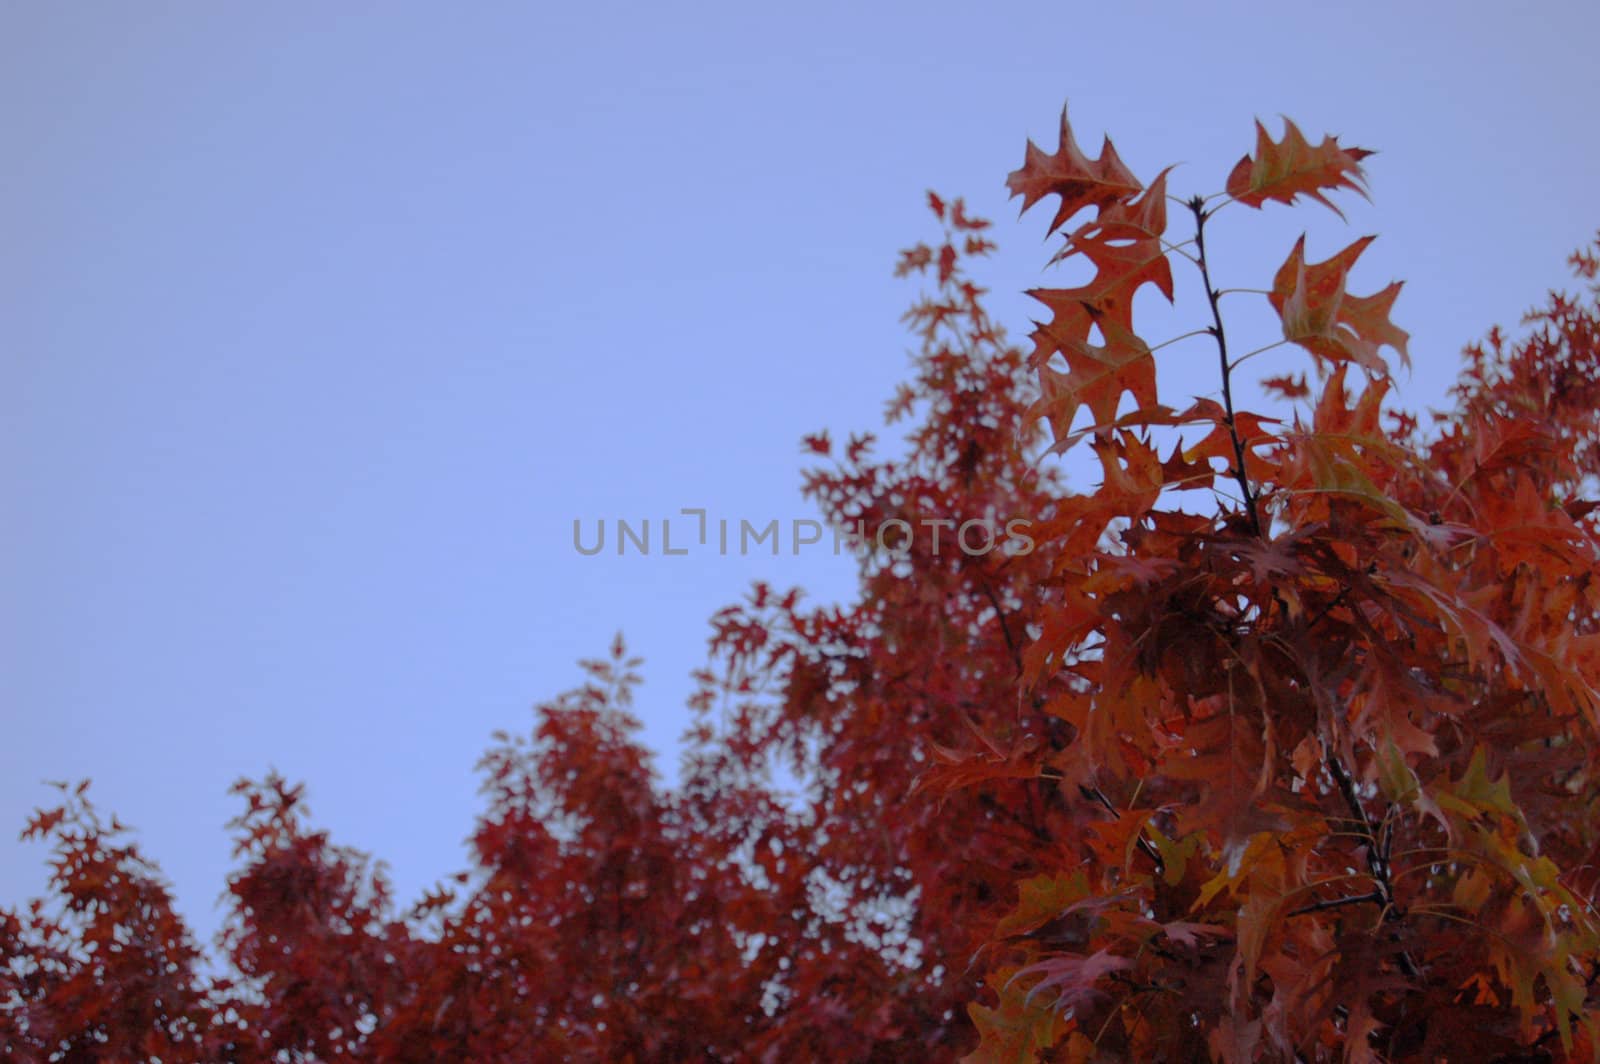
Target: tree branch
pixel 1197 205
pixel 1005 629
pixel 1095 794
pixel 1334 903
pixel 1379 844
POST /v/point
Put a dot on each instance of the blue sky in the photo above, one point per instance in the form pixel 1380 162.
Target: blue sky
pixel 319 325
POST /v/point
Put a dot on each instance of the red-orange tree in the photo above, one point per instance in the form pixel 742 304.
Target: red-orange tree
pixel 1276 745
pixel 1344 726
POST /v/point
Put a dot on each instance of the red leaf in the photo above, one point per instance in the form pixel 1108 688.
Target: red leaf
pixel 1319 315
pixel 1070 174
pixel 1283 170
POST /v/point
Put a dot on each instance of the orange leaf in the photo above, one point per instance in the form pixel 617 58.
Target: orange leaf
pixel 1290 388
pixel 961 221
pixel 1285 169
pixel 1079 180
pixel 1097 376
pixel 1320 316
pixel 1133 475
pixel 957 769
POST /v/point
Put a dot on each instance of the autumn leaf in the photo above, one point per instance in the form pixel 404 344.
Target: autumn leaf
pixel 956 769
pixel 1072 978
pixel 1124 240
pixel 1070 174
pixel 1134 476
pixel 1290 387
pixel 1283 170
pixel 1016 1030
pixel 1188 933
pixel 43 823
pixel 914 260
pixel 1097 377
pixel 1041 900
pixel 1249 428
pixel 961 221
pixel 1125 247
pixel 1319 315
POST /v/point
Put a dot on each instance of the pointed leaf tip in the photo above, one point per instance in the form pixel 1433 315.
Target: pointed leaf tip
pixel 1284 170
pixel 1069 173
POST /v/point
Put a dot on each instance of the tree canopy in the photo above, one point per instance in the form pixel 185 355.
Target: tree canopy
pixel 1279 743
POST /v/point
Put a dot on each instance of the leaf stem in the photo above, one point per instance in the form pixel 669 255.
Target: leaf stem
pixel 1183 336
pixel 1167 245
pixel 1258 351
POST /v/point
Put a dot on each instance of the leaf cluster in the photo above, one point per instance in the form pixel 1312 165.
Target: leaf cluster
pixel 1278 743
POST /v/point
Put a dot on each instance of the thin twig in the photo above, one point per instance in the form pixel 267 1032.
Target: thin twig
pixel 1379 844
pixel 1005 629
pixel 1334 903
pixel 1197 205
pixel 1095 794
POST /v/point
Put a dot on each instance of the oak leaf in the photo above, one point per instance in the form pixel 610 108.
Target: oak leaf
pixel 1282 170
pixel 1320 316
pixel 1079 180
pixel 1097 377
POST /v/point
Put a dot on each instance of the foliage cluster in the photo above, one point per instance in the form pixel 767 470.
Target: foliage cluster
pixel 1281 744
